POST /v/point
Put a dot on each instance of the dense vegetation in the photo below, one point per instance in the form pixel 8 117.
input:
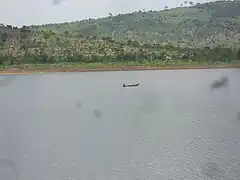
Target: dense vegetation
pixel 80 43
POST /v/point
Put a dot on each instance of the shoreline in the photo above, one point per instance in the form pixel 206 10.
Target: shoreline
pixel 102 69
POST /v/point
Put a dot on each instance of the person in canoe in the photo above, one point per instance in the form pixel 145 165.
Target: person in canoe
pixel 130 85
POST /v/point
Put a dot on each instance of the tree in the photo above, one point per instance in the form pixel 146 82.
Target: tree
pixel 166 7
pixel 238 54
pixel 9 26
pixel 185 2
pixel 4 37
pixel 66 33
pixel 25 46
pixel 24 32
pixel 46 34
pixel 191 3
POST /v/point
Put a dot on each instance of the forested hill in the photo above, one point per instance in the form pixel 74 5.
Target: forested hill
pixel 190 24
pixel 120 38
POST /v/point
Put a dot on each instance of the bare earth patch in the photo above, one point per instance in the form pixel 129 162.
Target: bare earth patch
pixel 122 68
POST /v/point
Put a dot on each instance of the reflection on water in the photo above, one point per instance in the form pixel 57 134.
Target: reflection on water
pixel 87 126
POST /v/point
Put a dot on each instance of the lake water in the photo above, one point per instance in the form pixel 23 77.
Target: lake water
pixel 72 126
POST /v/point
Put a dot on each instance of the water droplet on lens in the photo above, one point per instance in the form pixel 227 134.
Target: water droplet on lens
pixel 78 104
pixel 97 113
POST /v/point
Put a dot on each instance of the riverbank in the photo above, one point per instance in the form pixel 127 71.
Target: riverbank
pixel 33 69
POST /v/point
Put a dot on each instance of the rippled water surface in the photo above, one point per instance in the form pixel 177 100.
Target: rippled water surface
pixel 72 126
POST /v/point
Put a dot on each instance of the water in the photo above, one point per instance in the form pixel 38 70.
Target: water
pixel 76 126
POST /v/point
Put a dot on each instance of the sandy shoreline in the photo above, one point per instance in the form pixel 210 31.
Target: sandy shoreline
pixel 130 68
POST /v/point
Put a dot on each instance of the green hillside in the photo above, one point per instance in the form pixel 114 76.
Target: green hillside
pixel 199 25
pixel 139 38
pixel 47 47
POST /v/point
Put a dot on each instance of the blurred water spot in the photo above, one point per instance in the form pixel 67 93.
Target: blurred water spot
pixel 6 80
pixel 150 102
pixel 78 104
pixel 8 169
pixel 97 113
pixel 222 82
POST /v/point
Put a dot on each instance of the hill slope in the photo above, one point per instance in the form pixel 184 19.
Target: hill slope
pixel 86 42
pixel 199 25
pixel 23 46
